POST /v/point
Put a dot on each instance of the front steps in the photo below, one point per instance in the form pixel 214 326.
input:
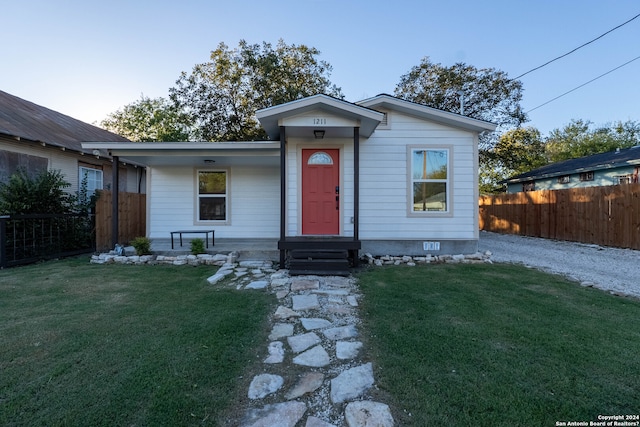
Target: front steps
pixel 319 255
pixel 320 262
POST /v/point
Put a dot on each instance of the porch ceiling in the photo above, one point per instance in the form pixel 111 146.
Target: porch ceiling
pixel 195 154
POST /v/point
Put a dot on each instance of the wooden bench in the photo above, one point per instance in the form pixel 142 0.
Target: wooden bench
pixel 205 232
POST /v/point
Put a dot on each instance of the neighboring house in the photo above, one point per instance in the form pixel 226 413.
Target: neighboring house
pixel 612 168
pixel 384 176
pixel 38 139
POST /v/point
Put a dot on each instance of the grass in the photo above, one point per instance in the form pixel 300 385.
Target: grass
pixel 451 344
pixel 123 345
pixel 499 345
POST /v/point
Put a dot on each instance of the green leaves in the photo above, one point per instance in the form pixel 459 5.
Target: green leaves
pixel 488 93
pixel 579 139
pixel 149 120
pixel 41 193
pixel 220 97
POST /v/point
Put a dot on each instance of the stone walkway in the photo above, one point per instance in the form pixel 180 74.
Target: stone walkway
pixel 315 371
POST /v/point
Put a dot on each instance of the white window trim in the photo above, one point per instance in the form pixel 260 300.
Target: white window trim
pixel 81 173
pixel 430 214
pixel 196 210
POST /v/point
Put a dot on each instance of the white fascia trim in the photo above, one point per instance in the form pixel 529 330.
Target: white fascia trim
pixel 428 113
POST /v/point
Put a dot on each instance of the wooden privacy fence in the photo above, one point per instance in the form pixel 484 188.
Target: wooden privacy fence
pixel 131 218
pixel 608 216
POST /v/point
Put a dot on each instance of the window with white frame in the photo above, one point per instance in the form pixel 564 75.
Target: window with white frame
pixel 90 177
pixel 212 195
pixel 430 179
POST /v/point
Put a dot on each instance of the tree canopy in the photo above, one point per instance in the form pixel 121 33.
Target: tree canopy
pixel 149 120
pixel 488 94
pixel 518 150
pixel 580 138
pixel 221 96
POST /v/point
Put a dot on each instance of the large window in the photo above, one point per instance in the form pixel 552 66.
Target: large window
pixel 92 178
pixel 212 195
pixel 429 180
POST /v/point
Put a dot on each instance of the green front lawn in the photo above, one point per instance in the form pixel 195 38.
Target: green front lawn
pixel 499 345
pixel 90 345
pixel 451 345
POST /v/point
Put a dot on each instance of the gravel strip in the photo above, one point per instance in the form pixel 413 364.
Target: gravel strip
pixel 612 269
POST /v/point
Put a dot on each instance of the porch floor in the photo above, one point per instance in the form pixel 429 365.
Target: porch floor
pixel 248 249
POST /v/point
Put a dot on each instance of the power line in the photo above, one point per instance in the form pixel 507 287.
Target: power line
pixel 584 84
pixel 579 47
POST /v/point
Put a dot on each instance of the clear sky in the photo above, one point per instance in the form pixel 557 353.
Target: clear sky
pixel 88 58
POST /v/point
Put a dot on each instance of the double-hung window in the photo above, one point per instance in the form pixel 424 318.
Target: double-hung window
pixel 92 178
pixel 430 180
pixel 212 195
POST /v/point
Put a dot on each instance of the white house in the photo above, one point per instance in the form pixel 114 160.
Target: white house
pixel 383 176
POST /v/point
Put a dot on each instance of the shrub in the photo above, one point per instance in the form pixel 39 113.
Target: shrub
pixel 28 193
pixel 142 245
pixel 197 246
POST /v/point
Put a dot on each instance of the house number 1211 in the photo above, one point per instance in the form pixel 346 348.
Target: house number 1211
pixel 317 121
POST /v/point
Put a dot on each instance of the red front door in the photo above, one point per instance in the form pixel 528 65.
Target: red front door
pixel 321 191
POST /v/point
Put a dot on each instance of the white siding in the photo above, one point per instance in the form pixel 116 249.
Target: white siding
pixel 253 202
pixel 384 191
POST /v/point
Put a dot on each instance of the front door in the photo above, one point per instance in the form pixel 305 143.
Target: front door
pixel 321 192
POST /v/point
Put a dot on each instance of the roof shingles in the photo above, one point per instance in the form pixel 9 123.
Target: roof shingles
pixel 611 159
pixel 26 120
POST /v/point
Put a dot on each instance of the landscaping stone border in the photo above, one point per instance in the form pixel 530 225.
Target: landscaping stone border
pixel 232 257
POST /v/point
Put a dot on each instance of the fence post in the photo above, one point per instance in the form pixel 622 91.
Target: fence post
pixel 3 240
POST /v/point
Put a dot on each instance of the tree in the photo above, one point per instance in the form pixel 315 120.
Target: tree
pixel 488 94
pixel 149 120
pixel 579 138
pixel 517 151
pixel 521 150
pixel 221 96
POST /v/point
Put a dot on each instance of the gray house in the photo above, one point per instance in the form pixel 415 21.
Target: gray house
pixel 612 168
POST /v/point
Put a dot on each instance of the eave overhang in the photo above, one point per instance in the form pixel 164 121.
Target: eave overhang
pixel 271 118
pixel 193 153
pixel 432 114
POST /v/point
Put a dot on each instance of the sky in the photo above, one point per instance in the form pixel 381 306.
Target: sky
pixel 87 58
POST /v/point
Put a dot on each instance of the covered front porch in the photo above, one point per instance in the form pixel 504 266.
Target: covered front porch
pixel 319 181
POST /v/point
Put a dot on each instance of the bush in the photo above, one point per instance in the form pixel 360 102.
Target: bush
pixel 28 193
pixel 142 245
pixel 197 246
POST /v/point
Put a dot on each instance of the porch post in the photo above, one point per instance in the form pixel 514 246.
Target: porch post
pixel 356 190
pixel 115 202
pixel 283 193
pixel 356 183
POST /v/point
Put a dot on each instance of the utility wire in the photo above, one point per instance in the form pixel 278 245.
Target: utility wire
pixel 579 47
pixel 584 84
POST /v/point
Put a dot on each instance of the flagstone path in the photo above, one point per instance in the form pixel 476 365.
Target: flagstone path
pixel 315 371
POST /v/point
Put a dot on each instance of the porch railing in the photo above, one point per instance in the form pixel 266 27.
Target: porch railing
pixel 29 238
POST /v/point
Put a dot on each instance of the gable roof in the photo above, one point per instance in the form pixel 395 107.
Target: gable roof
pixel 269 117
pixel 428 113
pixel 22 119
pixel 608 160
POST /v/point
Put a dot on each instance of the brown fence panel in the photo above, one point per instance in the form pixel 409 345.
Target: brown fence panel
pixel 607 215
pixel 131 218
